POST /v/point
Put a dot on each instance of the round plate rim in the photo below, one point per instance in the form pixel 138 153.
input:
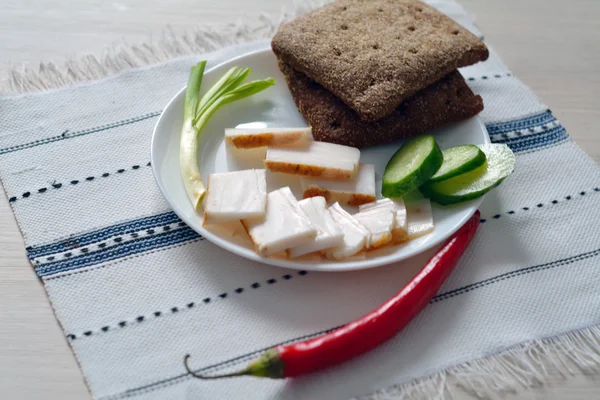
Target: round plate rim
pixel 332 266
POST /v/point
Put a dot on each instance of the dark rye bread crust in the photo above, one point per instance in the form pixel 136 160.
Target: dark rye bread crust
pixel 448 100
pixel 374 54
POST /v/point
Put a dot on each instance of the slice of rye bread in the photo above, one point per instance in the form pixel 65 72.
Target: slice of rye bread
pixel 448 100
pixel 374 54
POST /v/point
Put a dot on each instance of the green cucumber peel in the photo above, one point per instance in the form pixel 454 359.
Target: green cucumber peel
pixel 471 185
pixel 415 162
pixel 459 160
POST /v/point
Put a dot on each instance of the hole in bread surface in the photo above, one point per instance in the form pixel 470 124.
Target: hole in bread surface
pixel 344 27
pixel 375 46
pixel 455 32
pixel 411 28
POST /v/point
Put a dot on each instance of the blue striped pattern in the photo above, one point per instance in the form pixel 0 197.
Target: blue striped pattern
pixel 531 141
pixel 519 124
pixel 103 234
pixel 165 239
pixel 542 139
pixel 525 142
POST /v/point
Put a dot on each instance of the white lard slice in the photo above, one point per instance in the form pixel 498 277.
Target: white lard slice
pixel 284 225
pixel 420 218
pixel 235 195
pixel 355 234
pixel 249 138
pixel 379 221
pixel 355 192
pixel 400 229
pixel 329 233
pixel 315 159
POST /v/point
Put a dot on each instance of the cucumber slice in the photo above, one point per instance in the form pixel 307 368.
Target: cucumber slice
pixel 458 160
pixel 500 164
pixel 411 166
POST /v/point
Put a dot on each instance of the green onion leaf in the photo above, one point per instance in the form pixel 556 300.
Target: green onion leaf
pixel 198 111
pixel 246 90
pixel 192 94
pixel 232 79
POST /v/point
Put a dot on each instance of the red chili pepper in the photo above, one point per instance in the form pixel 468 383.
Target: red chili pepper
pixel 367 332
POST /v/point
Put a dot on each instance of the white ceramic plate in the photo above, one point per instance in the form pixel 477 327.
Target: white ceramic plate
pixel 275 107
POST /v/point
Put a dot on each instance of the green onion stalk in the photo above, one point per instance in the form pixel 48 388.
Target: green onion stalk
pixel 198 111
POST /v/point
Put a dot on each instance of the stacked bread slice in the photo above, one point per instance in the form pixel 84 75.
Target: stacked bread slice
pixel 366 72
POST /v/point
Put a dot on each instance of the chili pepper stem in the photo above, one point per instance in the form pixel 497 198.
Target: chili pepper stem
pixel 268 365
pixel 195 375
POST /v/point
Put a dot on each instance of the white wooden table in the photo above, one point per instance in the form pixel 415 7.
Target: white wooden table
pixel 552 45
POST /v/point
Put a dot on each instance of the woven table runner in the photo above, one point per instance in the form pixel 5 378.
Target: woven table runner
pixel 135 289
